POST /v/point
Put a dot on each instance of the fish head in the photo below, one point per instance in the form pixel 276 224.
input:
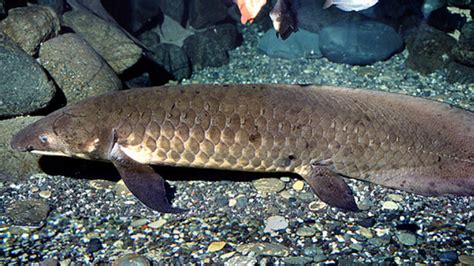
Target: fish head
pixel 61 133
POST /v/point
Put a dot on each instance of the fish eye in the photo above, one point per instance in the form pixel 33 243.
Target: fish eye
pixel 43 138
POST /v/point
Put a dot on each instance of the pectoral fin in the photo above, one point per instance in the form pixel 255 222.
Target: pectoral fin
pixel 330 187
pixel 142 181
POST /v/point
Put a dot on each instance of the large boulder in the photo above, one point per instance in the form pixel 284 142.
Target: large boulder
pixel 31 25
pixel 301 44
pixel 204 13
pixel 359 42
pixel 110 42
pixel 77 69
pixel 429 50
pixel 24 86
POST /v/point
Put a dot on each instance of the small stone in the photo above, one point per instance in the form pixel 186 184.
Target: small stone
pixel 285 179
pixel 406 238
pixel 268 185
pixel 101 184
pixel 285 194
pixel 466 259
pixel 319 258
pixel 227 255
pixel 241 261
pixel 317 205
pixel 131 259
pixel 139 222
pixel 45 194
pixel 216 246
pixel 293 260
pixel 264 249
pixel 157 224
pixel 365 232
pixel 470 226
pixel 232 202
pixel 242 201
pixel 94 245
pixel 367 222
pixel 306 231
pixel 28 212
pixel 275 223
pixel 395 197
pixel 448 256
pixel 49 262
pixel 390 205
pixel 298 185
pixel 357 247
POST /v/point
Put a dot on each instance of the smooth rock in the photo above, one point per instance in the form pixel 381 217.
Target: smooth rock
pixel 77 69
pixel 448 256
pixel 306 231
pixel 359 42
pixel 94 245
pixel 121 189
pixel 298 185
pixel 300 44
pixel 264 249
pixel 466 259
pixel 131 260
pixel 390 205
pixel 30 26
pixel 216 246
pixel 316 205
pixel 204 13
pixel 275 223
pixel 429 49
pixel 268 185
pixel 24 86
pixel 102 184
pixel 395 197
pixel 406 238
pixel 111 43
pixel 241 261
pixel 365 232
pixel 15 165
pixel 293 260
pixel 32 212
pixel 157 224
pixel 45 194
pixel 139 222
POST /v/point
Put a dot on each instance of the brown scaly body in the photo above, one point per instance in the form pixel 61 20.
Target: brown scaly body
pixel 393 140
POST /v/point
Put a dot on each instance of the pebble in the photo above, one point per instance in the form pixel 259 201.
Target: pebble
pixel 293 260
pixel 466 259
pixel 448 256
pixel 216 246
pixel 285 179
pixel 275 223
pixel 470 226
pixel 157 224
pixel 365 232
pixel 390 205
pixel 28 212
pixel 268 185
pixel 264 249
pixel 232 202
pixel 395 197
pixel 45 194
pixel 306 231
pixel 122 189
pixel 317 205
pixel 242 201
pixel 298 185
pixel 285 194
pixel 406 238
pixel 241 261
pixel 139 222
pixel 94 245
pixel 131 260
pixel 102 184
pixel 356 246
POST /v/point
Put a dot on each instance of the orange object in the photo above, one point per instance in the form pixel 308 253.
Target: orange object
pixel 249 9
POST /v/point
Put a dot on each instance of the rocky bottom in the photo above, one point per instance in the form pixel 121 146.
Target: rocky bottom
pixel 53 219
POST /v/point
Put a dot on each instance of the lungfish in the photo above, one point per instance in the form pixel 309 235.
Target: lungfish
pixel 322 133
